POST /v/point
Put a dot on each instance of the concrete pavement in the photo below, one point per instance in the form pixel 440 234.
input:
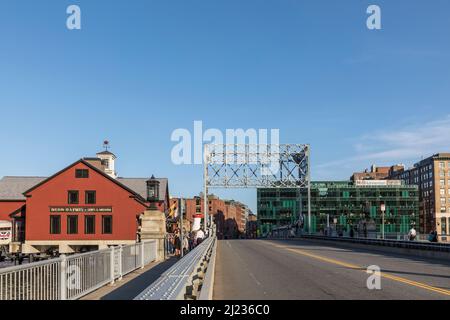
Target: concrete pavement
pixel 303 269
pixel 133 283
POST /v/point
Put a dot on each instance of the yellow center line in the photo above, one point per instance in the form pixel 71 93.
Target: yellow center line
pixel 355 267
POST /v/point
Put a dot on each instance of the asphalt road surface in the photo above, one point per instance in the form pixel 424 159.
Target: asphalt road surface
pixel 304 269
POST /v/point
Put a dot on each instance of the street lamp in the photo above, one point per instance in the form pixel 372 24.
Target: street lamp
pixel 383 210
pixel 153 192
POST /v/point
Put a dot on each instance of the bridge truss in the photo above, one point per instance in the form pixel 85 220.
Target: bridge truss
pixel 256 166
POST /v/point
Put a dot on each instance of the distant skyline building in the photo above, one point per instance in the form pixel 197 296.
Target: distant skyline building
pixel 376 173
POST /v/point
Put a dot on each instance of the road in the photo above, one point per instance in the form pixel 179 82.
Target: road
pixel 304 269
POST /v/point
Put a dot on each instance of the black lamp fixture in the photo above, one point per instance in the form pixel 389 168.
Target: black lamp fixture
pixel 152 191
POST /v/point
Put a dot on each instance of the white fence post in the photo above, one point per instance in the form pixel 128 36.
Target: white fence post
pixel 112 266
pixel 63 284
pixel 120 262
pixel 142 255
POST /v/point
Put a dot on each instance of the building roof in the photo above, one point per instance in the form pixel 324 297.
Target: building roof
pixel 139 185
pixel 106 152
pixel 12 188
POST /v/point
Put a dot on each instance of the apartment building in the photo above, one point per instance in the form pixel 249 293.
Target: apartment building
pixel 432 175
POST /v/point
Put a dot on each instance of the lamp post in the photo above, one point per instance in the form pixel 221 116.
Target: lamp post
pixel 180 215
pixel 383 210
pixel 328 224
pixel 153 192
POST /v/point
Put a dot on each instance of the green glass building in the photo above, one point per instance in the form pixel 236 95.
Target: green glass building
pixel 341 205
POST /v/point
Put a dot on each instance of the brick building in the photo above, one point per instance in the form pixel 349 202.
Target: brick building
pixel 375 173
pixel 251 230
pixel 229 215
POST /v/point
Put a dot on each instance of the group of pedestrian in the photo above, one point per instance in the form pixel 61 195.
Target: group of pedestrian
pixel 432 237
pixel 189 242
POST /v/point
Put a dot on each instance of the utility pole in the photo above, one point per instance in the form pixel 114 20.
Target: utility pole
pixel 205 189
pixel 301 222
pixel 383 209
pixel 328 224
pixel 181 207
pixel 308 154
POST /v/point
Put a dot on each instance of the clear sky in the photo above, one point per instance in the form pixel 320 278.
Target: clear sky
pixel 139 69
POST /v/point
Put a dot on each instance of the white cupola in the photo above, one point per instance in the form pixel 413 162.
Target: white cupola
pixel 108 160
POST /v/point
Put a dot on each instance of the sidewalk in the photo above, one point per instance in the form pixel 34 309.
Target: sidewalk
pixel 133 283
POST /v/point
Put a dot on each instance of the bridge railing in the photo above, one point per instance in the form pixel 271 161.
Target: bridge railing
pixel 183 280
pixel 419 245
pixel 74 276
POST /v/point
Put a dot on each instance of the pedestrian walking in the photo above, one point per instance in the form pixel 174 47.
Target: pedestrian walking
pixel 200 235
pixel 185 245
pixel 412 234
pixel 177 244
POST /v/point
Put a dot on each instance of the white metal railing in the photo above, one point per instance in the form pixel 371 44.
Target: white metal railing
pixel 173 284
pixel 150 252
pixel 71 277
pixel 34 281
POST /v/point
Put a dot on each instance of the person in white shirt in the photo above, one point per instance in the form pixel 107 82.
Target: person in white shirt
pixel 199 236
pixel 412 234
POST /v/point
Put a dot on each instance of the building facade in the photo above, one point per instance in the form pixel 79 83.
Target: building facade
pixel 251 230
pixel 375 173
pixel 432 176
pixel 83 207
pixel 342 206
pixel 229 215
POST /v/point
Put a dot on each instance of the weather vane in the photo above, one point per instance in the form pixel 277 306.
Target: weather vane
pixel 106 145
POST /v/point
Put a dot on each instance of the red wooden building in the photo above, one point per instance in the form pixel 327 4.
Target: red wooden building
pixel 85 206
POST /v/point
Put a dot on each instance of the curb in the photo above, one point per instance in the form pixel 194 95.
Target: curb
pixel 206 293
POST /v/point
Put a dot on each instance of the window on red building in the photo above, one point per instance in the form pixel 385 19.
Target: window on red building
pixel 55 224
pixel 72 224
pixel 106 224
pixel 73 197
pixel 82 173
pixel 89 224
pixel 90 197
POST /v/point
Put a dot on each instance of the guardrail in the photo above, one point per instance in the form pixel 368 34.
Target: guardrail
pixel 71 277
pixel 182 281
pixel 428 246
pixel 206 293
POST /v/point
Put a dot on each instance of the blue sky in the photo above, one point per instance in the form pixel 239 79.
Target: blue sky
pixel 140 69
